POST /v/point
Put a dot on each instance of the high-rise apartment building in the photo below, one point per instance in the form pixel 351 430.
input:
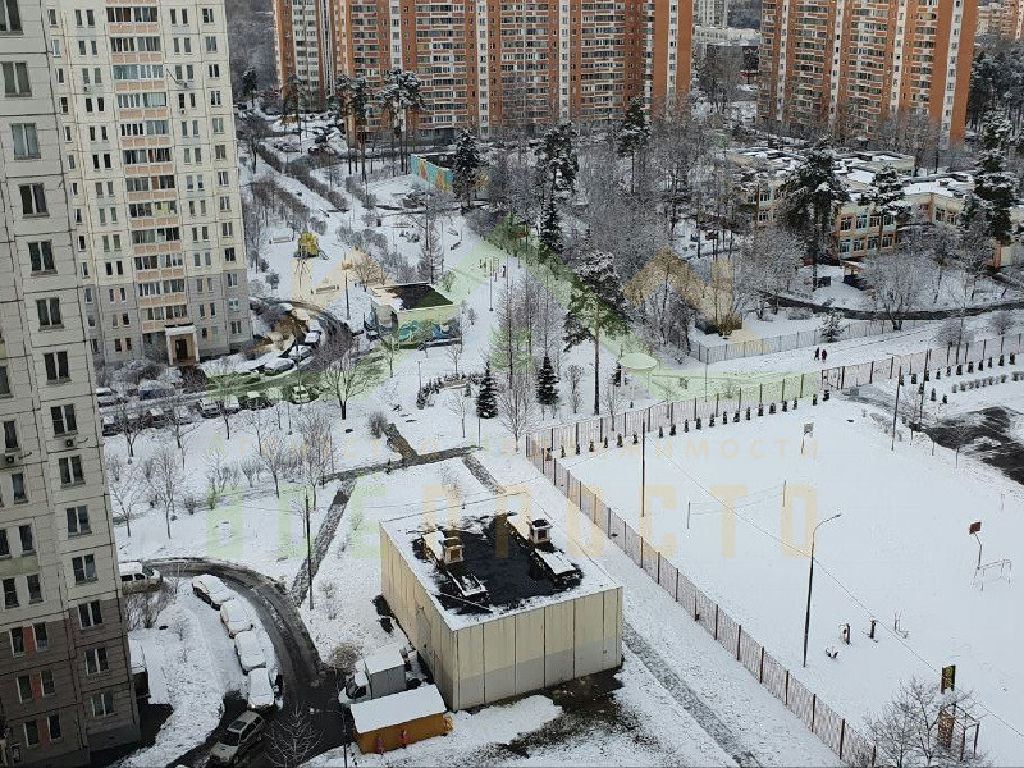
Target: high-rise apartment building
pixel 65 680
pixel 146 135
pixel 1012 26
pixel 847 65
pixel 489 64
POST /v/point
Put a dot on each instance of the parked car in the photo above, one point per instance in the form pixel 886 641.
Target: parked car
pixel 156 418
pixel 211 590
pixel 312 339
pixel 273 395
pixel 278 365
pixel 254 400
pixel 111 425
pixel 182 415
pixel 246 379
pixel 300 394
pixel 239 737
pixel 261 692
pixel 154 390
pixel 136 577
pixel 209 408
pixel 249 651
pixel 106 397
pixel 299 352
pixel 236 617
pixel 231 404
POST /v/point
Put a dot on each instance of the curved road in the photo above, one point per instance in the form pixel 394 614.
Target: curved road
pixel 306 680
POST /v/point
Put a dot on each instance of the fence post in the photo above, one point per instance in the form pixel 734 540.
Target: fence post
pixel 760 668
pixel 716 621
pixel 842 379
pixel 739 639
pixel 814 707
pixel 842 737
pixel 871 373
pixel 786 700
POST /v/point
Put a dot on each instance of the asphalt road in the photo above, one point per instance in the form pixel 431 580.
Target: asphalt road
pixel 307 682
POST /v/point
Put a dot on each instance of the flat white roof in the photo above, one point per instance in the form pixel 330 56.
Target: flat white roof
pixel 397 708
pixel 388 657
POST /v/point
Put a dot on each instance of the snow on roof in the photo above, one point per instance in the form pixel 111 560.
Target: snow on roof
pixel 138 655
pixel 409 296
pixel 509 587
pixel 398 708
pixel 388 657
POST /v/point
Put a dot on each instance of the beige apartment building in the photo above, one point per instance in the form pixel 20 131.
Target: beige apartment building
pixel 486 64
pixel 147 139
pixel 65 681
pixel 847 65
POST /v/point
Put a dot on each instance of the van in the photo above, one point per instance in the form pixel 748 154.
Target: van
pixel 238 739
pixel 136 577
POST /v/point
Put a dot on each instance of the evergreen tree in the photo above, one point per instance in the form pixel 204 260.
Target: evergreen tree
pixel 250 84
pixel 810 197
pixel 550 231
pixel 556 159
pixel 992 184
pixel 887 199
pixel 547 383
pixel 831 327
pixel 633 137
pixel 466 167
pixel 487 399
pixel 596 309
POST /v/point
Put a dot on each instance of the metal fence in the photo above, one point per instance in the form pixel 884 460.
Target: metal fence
pixel 778 394
pixel 787 342
pixel 852 747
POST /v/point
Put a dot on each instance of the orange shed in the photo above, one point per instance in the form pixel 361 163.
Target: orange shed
pixel 400 719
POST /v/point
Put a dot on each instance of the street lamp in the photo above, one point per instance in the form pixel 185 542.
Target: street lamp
pixel 810 581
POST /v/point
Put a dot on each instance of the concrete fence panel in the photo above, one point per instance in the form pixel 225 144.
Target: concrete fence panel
pixel 651 558
pixel 686 594
pixel 707 612
pixel 728 633
pixel 667 575
pixel 775 677
pixel 800 701
pixel 828 726
pixel 857 750
pixel 750 655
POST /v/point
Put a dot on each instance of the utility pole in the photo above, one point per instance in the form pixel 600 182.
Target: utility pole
pixel 348 309
pixel 810 582
pixel 643 469
pixel 309 552
pixel 895 410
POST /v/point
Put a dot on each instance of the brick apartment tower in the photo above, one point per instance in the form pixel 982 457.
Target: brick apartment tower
pixel 489 65
pixel 65 680
pixel 846 65
pixel 1012 27
pixel 148 142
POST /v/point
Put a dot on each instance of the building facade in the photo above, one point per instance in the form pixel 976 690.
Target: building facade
pixel 65 673
pixel 147 139
pixel 1012 24
pixel 846 66
pixel 489 65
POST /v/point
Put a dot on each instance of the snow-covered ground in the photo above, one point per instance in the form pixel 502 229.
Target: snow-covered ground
pixel 900 553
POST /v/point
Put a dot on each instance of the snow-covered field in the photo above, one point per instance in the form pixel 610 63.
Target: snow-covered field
pixel 900 553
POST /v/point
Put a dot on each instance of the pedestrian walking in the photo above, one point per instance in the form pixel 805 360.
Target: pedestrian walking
pixel 817 353
pixel 824 355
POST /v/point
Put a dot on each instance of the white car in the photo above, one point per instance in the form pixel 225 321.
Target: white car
pixel 278 365
pixel 209 408
pixel 236 617
pixel 250 652
pixel 136 577
pixel 299 352
pixel 261 692
pixel 231 404
pixel 182 415
pixel 211 590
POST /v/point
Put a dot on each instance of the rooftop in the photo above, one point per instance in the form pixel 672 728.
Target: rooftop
pixel 410 296
pixel 512 580
pixel 397 708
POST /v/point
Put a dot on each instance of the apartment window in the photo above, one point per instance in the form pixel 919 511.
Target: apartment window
pixel 26 142
pixel 84 568
pixel 213 70
pixel 71 470
pixel 31 729
pixel 18 641
pixel 96 661
pixel 63 417
pixel 16 79
pixel 28 545
pixel 10 16
pixel 102 704
pixel 10 436
pixel 33 199
pixel 214 98
pixel 78 521
pixel 220 152
pixel 207 15
pixel 56 364
pixel 90 614
pixel 211 44
pixel 218 124
pixel 229 254
pixel 48 311
pixel 90 19
pixel 5 545
pixel 35 590
pixel 46 683
pixel 24 687
pixel 5 383
pixel 222 178
pixel 10 593
pixel 42 639
pixel 40 254
pixel 53 727
pixel 18 488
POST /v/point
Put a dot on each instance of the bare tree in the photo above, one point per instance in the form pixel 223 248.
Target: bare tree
pixel 454 353
pixel 222 383
pixel 764 267
pixel 918 728
pixel 166 480
pixel 575 380
pixel 612 399
pixel 294 738
pixel 258 421
pixel 130 423
pixel 516 408
pixel 182 426
pixel 126 486
pixel 1002 322
pixel 458 405
pixel 898 278
pixel 276 456
pixel 315 430
pixel 220 473
pixel 252 467
pixel 345 374
pixel 390 346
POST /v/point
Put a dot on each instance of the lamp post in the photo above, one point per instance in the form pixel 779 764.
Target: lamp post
pixel 810 582
pixel 419 371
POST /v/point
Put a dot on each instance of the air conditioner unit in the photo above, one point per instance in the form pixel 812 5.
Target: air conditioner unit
pixel 85 89
pixel 9 458
pixel 69 442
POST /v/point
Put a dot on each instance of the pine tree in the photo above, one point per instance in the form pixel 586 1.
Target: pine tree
pixel 556 159
pixel 547 383
pixel 466 166
pixel 250 84
pixel 810 198
pixel 831 327
pixel 550 230
pixel 887 199
pixel 596 309
pixel 633 136
pixel 992 184
pixel 487 400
